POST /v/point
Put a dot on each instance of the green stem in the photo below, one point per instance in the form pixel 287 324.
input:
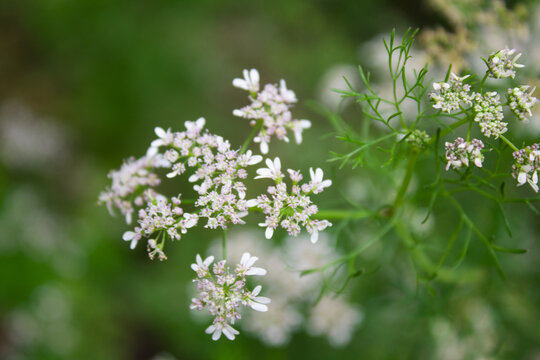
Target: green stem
pixel 483 81
pixel 252 134
pixel 343 214
pixel 509 143
pixel 406 180
pixel 224 243
pixel 454 126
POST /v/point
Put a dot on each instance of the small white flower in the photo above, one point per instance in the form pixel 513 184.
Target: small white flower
pixel 317 182
pixel 297 127
pixel 273 171
pixel 526 166
pixel 287 95
pixel 246 266
pixel 133 237
pixel 501 64
pixel 263 146
pixel 315 226
pixel 193 128
pixel 250 82
pixel 201 267
pixel 257 303
pixel 165 137
pixel 218 328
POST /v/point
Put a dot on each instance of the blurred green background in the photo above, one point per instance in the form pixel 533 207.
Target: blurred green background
pixel 88 80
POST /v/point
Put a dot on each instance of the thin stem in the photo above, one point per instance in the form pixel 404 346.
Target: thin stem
pixel 343 214
pixel 252 134
pixel 483 81
pixel 224 243
pixel 455 125
pixel 509 143
pixel 406 180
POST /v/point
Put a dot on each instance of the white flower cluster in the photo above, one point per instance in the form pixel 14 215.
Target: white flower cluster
pixel 489 114
pixel 521 101
pixel 460 153
pixel 526 166
pixel 218 172
pixel 222 292
pixel 132 184
pixel 291 210
pixel 160 216
pixel 502 64
pixel 451 95
pixel 271 105
pixel 291 292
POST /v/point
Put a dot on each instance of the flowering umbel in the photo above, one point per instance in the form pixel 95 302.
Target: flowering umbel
pixel 526 166
pixel 521 101
pixel 271 106
pixel 294 209
pixel 502 64
pixel 461 153
pixel 450 95
pixel 222 292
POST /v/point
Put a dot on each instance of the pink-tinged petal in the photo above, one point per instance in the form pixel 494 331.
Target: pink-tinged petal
pixel 210 329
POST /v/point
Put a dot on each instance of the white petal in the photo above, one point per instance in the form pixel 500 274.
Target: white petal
pixel 254 76
pixel 258 307
pixel 255 159
pixel 240 83
pixel 210 329
pixel 522 177
pixel 128 235
pixel 263 300
pixel 256 271
pixel 160 132
pixel 269 232
pixel 216 335
pixel 252 203
pixel 314 236
pixel 264 147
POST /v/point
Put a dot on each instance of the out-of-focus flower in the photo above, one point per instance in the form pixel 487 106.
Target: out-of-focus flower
pixel 334 318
